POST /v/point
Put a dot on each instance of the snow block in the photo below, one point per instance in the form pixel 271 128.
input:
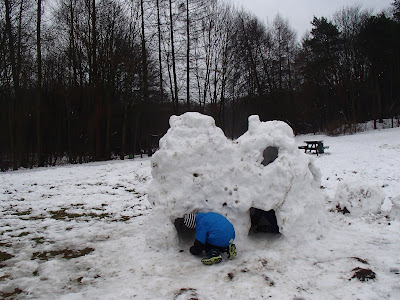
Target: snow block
pixel 394 213
pixel 359 197
pixel 198 169
pixel 391 208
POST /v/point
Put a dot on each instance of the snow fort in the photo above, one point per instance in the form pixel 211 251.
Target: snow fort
pixel 260 177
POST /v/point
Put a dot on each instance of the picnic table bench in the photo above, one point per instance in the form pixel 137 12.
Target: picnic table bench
pixel 317 146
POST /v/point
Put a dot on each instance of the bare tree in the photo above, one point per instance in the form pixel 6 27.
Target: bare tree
pixel 144 57
pixel 15 75
pixel 175 97
pixel 39 83
pixel 159 50
pixel 354 66
pixel 187 56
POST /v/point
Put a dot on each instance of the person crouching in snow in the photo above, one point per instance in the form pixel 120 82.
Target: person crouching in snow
pixel 214 234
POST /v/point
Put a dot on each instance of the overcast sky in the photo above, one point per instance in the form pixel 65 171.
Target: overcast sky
pixel 301 12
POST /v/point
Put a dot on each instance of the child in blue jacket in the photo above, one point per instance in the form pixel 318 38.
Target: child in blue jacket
pixel 214 234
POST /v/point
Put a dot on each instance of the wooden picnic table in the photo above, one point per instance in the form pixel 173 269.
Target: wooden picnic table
pixel 317 146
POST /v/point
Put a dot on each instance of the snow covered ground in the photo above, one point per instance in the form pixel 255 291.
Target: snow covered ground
pixel 79 232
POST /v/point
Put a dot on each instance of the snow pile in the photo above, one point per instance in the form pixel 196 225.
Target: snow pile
pixel 359 198
pixel 198 169
pixel 394 213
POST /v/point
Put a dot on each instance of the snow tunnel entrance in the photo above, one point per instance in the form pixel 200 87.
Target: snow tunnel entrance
pixel 186 235
pixel 270 154
pixel 263 221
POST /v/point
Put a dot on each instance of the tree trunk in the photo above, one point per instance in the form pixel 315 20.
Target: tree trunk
pixel 15 75
pixel 124 125
pixel 173 58
pixel 144 59
pixel 253 68
pixel 379 99
pixel 159 51
pixel 39 84
pixel 98 110
pixel 187 57
pixel 72 46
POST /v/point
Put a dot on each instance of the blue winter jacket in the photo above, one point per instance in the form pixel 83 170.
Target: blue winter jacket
pixel 214 229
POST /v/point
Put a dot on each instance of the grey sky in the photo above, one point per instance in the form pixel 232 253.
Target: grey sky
pixel 301 12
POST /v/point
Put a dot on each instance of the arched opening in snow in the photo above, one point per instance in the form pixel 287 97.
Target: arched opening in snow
pixel 263 221
pixel 185 235
pixel 270 154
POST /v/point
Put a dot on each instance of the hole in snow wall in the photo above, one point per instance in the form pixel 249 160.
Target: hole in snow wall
pixel 263 221
pixel 185 235
pixel 269 154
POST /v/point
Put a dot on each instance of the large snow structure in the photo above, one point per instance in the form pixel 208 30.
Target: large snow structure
pixel 198 169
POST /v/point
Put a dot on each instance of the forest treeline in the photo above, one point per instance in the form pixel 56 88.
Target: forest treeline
pixel 86 80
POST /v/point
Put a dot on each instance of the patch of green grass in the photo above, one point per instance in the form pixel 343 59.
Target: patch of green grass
pixel 34 218
pixel 63 215
pixel 126 218
pixel 23 234
pixel 5 256
pixel 65 253
pixel 23 213
pixel 41 240
pixel 26 215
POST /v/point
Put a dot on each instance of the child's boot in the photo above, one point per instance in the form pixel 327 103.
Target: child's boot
pixel 232 251
pixel 213 257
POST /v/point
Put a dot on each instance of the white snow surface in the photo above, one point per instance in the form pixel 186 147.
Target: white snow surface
pixel 81 232
pixel 198 169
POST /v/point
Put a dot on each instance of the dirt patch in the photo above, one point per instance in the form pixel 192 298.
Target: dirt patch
pixel 65 253
pixel 34 218
pixel 5 256
pixel 5 295
pixel 269 280
pixel 263 262
pixel 22 213
pixel 25 233
pixel 363 274
pixel 361 260
pixel 187 293
pixel 39 240
pixel 2 278
pixel 126 218
pixel 343 210
pixel 42 240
